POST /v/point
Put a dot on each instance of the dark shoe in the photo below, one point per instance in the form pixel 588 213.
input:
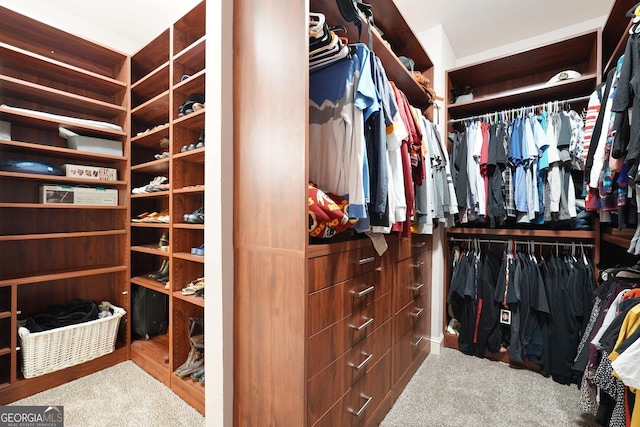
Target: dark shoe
pixel 162 272
pixel 198 373
pixel 163 244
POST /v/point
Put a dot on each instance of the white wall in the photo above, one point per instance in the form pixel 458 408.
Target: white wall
pixel 437 45
pixel 219 268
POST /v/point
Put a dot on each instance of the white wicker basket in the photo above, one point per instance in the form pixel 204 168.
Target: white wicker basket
pixel 55 349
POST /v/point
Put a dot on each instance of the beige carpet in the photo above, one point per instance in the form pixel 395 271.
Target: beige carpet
pixel 450 390
pixel 123 395
pixel 456 390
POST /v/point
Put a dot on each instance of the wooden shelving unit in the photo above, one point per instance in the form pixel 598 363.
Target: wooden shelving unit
pixel 157 91
pixel 54 253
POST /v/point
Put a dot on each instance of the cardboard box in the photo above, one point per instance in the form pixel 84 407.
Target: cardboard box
pixel 66 194
pixel 90 172
pixel 95 145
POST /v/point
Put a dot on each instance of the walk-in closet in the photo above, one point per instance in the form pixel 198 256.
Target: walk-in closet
pixel 392 188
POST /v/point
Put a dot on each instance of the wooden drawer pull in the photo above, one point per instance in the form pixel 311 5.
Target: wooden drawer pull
pixel 417 343
pixel 364 292
pixel 419 244
pixel 363 363
pixel 416 288
pixel 361 410
pixel 363 326
pixel 418 265
pixel 417 313
pixel 366 260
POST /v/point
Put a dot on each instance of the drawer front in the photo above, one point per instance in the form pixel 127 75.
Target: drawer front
pixel 414 245
pixel 335 268
pixel 328 386
pixel 361 401
pixel 414 268
pixel 330 305
pixel 384 280
pixel 421 243
pixel 411 314
pixel 332 342
pixel 406 349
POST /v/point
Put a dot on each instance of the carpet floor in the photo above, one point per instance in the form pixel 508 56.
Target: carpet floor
pixel 448 390
pixel 457 390
pixel 123 395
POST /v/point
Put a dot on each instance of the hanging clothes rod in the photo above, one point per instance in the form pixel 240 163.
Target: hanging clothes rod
pixel 566 101
pixel 521 242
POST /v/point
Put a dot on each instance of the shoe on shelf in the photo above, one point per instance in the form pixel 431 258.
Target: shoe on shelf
pixel 163 244
pixel 200 142
pixel 196 217
pixel 187 148
pixel 164 154
pixel 199 251
pixel 148 187
pixel 164 142
pixel 164 217
pixel 160 185
pixel 198 373
pixel 195 360
pixel 196 333
pixel 193 287
pixel 140 217
pixel 162 272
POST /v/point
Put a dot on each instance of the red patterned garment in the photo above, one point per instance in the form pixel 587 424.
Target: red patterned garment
pixel 328 213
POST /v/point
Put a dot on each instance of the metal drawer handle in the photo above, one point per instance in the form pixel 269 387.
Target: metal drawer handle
pixel 364 292
pixel 417 343
pixel 363 363
pixel 417 313
pixel 418 265
pixel 366 260
pixel 419 245
pixel 416 288
pixel 361 410
pixel 363 326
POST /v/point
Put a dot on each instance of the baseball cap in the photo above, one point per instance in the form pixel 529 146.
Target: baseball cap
pixel 564 75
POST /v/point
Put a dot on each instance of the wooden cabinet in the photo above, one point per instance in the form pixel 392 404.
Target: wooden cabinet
pixel 314 325
pixel 165 73
pixel 52 253
pixel 357 311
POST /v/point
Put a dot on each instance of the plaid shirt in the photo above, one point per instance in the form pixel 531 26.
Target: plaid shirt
pixel 507 192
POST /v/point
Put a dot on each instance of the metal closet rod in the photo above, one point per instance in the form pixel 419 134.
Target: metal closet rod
pixel 524 242
pixel 480 116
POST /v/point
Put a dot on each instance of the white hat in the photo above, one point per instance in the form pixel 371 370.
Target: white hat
pixel 564 75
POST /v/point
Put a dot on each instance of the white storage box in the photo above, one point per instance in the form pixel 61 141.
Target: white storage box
pixel 55 349
pixel 90 172
pixel 66 194
pixel 95 145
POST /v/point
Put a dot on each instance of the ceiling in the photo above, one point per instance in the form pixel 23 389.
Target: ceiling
pixel 471 26
pixel 474 26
